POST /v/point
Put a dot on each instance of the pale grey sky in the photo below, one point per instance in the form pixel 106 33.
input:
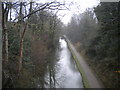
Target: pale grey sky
pixel 76 7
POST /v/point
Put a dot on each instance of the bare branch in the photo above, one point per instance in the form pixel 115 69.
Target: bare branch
pixel 51 5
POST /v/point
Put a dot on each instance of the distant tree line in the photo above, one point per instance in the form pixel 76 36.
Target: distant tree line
pixel 96 35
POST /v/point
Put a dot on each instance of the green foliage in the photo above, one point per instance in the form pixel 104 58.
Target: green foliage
pixel 13 36
pixel 99 40
pixel 107 44
pixel 38 48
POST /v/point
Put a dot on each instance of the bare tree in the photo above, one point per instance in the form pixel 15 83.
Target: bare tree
pixel 51 5
pixel 5 11
pixel 22 34
pixel 23 19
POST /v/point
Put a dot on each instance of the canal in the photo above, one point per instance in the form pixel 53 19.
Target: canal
pixel 63 72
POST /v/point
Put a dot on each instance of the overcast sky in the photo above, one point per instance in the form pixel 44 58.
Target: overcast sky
pixel 76 7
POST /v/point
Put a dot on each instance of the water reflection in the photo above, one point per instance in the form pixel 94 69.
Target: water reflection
pixel 63 74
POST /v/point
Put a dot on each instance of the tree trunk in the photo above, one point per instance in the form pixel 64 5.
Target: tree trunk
pixel 5 45
pixel 21 49
pixel 22 34
pixel 4 35
pixel 21 55
pixel 1 45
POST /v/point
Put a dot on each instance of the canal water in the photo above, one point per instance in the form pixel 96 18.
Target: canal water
pixel 63 72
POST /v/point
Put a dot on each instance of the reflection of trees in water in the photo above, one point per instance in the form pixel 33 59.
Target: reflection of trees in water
pixel 52 80
pixel 40 59
pixel 43 61
pixel 52 70
pixel 52 76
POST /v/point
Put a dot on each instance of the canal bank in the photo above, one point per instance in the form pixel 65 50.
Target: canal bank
pixel 63 72
pixel 89 78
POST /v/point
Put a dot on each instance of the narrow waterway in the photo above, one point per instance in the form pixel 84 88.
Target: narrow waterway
pixel 63 73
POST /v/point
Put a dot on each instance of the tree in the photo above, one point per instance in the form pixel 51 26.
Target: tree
pixel 82 28
pixel 107 15
pixel 0 44
pixel 24 12
pixel 5 10
pixel 104 47
pixel 22 33
pixel 23 20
